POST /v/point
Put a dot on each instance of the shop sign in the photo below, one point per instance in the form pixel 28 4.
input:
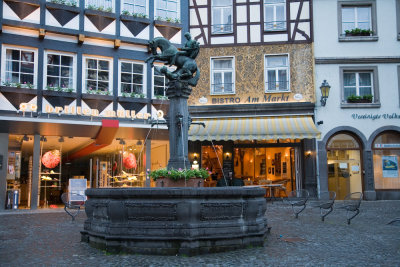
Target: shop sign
pixel 67 110
pixel 385 116
pixel 389 167
pixel 387 145
pixel 251 100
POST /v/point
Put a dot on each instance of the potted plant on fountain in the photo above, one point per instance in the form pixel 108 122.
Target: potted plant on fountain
pixel 180 177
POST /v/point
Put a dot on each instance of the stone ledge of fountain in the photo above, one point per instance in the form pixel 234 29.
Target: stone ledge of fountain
pixel 170 221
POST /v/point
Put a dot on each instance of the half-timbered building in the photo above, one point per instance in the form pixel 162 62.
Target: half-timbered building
pixel 76 91
pixel 256 92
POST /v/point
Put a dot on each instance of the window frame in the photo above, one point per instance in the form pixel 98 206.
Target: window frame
pixel 374 28
pixel 220 10
pixel 110 80
pixel 74 67
pixel 146 7
pixel 275 6
pixel 153 95
pixel 212 75
pixel 120 61
pixel 178 9
pixel 266 91
pixel 21 48
pixel 375 86
pixel 398 18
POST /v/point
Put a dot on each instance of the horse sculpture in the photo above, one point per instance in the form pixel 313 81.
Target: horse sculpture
pixel 185 66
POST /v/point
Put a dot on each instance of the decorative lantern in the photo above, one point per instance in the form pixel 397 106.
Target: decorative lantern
pixel 51 159
pixel 129 161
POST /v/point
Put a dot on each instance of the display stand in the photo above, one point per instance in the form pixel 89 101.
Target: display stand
pixel 49 178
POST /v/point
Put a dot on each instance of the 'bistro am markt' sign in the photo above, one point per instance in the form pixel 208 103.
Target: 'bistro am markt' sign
pixel 251 100
pixel 385 116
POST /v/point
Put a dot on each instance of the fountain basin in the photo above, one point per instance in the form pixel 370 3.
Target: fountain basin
pixel 170 221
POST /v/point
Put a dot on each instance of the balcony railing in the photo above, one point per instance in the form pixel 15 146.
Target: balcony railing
pixel 222 88
pixel 221 28
pixel 277 86
pixel 275 26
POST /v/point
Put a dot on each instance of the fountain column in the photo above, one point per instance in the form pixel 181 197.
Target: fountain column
pixel 178 122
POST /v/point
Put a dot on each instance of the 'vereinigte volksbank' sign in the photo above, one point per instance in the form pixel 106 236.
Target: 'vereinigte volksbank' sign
pixel 386 116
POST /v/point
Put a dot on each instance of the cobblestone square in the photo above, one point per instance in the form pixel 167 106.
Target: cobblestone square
pixel 50 238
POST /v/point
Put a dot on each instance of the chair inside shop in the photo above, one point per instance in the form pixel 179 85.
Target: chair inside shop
pixel 72 203
pixel 325 205
pixel 351 204
pixel 298 200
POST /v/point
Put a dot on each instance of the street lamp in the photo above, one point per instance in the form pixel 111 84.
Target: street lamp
pixel 324 92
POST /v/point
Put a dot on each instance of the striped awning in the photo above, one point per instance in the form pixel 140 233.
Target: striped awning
pixel 260 128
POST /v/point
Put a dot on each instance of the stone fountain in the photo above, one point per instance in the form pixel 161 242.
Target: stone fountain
pixel 180 220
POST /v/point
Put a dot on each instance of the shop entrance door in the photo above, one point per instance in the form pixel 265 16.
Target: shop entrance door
pixel 344 165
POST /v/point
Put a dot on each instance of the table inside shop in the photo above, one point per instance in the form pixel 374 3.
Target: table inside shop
pixel 272 188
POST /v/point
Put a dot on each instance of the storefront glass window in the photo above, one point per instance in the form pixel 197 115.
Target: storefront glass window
pixel 212 158
pixel 19 172
pixel 343 141
pixel 386 155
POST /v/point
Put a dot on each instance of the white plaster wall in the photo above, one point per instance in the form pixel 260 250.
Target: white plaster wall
pixel 326 32
pixel 334 116
pixel 241 14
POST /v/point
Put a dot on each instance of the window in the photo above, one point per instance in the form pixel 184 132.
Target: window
pixel 59 71
pixel 276 74
pixel 97 75
pixel 275 15
pixel 356 17
pixel 134 6
pixel 357 20
pixel 221 16
pixel 19 68
pixel 357 83
pixel 386 156
pixel 167 9
pixel 359 86
pixel 159 84
pixel 222 76
pixel 131 79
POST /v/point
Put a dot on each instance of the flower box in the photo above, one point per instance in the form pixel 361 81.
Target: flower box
pixel 359 101
pixel 168 182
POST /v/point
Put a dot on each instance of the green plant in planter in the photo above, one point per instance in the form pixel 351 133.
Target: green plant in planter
pixel 18 85
pixel 179 174
pixel 109 9
pixel 125 94
pixel 137 95
pixel 7 83
pixel 161 97
pixel 362 99
pixel 359 32
pixel 125 12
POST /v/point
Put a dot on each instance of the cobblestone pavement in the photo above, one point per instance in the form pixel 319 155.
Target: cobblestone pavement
pixel 52 239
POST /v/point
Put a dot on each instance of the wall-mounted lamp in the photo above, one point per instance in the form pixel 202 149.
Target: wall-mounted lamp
pixel 325 87
pixel 308 153
pixel 320 122
pixel 195 164
pixel 227 156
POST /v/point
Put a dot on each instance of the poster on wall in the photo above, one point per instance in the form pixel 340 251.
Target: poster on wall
pixel 390 168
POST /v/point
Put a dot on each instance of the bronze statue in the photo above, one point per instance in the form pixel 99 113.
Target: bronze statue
pixel 184 60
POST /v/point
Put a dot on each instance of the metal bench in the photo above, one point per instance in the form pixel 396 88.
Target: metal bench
pixel 351 204
pixel 72 203
pixel 298 200
pixel 326 203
